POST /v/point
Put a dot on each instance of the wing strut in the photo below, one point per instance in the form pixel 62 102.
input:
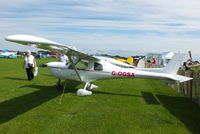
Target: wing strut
pixel 73 65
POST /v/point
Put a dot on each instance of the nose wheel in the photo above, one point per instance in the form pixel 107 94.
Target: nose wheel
pixel 84 92
pixel 80 92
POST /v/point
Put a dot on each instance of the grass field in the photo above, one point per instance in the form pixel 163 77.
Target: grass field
pixel 128 106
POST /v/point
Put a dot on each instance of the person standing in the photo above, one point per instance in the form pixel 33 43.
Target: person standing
pixel 154 61
pixel 63 58
pixel 29 63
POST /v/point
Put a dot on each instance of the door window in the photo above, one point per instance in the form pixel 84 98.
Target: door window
pixel 98 66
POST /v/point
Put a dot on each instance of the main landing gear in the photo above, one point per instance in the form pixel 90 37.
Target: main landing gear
pixel 80 92
pixel 59 85
pixel 84 92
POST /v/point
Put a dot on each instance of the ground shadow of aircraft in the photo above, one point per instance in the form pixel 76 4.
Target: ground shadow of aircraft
pixel 13 78
pixel 10 109
pixel 177 106
pixel 181 108
pixel 148 96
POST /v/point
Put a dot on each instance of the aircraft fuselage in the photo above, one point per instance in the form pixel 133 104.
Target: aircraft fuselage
pixel 109 71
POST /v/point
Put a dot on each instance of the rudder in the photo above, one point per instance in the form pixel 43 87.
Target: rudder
pixel 175 63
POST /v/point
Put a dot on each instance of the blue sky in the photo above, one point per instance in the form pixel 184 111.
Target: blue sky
pixel 127 25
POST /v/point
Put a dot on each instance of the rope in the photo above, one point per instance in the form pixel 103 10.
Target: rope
pixel 60 102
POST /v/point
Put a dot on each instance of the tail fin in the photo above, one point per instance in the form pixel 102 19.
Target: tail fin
pixel 175 63
pixel 173 66
pixel 170 71
pixel 130 60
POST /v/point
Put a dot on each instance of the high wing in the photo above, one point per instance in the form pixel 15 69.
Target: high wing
pixel 38 42
pixel 46 44
pixel 43 43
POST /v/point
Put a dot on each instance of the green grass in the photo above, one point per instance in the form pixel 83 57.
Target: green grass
pixel 124 106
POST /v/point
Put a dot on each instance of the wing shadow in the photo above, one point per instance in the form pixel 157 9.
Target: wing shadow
pixel 12 108
pixel 118 94
pixel 13 78
pixel 184 109
pixel 149 98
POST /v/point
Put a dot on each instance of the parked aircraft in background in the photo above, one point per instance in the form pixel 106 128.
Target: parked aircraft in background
pixel 7 54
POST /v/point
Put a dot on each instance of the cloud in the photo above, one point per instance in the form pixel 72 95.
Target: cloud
pixel 106 24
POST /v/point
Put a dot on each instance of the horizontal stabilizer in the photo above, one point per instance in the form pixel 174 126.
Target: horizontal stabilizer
pixel 181 78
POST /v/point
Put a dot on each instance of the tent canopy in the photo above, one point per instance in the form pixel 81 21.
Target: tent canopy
pixel 167 55
pixel 4 50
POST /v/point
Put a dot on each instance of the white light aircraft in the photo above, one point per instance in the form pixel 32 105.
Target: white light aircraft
pixel 6 54
pixel 85 68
